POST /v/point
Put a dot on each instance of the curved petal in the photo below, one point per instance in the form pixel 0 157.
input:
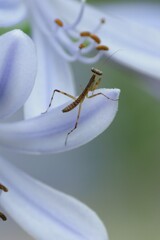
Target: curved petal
pixel 136 12
pixel 53 73
pixel 44 212
pixel 131 38
pixel 141 45
pixel 11 12
pixel 18 71
pixel 47 133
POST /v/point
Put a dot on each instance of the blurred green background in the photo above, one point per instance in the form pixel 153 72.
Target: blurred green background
pixel 117 174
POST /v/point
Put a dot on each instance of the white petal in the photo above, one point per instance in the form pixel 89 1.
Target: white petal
pixel 47 133
pixel 53 73
pixel 11 12
pixel 139 44
pixel 44 212
pixel 18 71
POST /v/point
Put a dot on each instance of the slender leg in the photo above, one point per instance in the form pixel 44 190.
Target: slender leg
pixel 94 95
pixel 76 124
pixel 95 86
pixel 56 90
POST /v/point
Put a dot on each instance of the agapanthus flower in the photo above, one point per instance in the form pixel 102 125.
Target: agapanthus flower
pixel 136 44
pixel 56 47
pixel 47 132
pixel 43 212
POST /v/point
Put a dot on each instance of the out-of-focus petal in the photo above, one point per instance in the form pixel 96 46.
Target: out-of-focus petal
pixel 47 133
pixel 44 212
pixel 138 44
pixel 11 12
pixel 18 71
pixel 142 13
pixel 53 73
pixel 141 45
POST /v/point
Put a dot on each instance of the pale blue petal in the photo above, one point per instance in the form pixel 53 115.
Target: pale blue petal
pixel 138 44
pixel 53 73
pixel 18 71
pixel 45 213
pixel 47 133
pixel 11 12
pixel 140 12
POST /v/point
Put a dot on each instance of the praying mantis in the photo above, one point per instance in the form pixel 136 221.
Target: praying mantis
pixel 90 87
pixel 93 82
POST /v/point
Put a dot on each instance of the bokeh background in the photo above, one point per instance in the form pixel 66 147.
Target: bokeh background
pixel 118 173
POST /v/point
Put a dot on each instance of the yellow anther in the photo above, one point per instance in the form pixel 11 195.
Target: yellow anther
pixel 102 48
pixel 58 22
pixel 85 34
pixel 95 38
pixel 92 36
pixel 82 45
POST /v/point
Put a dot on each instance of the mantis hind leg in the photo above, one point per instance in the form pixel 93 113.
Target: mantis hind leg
pixel 97 94
pixel 64 93
pixel 76 124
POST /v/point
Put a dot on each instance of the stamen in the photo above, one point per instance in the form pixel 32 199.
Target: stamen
pixel 59 22
pixel 71 44
pixel 68 47
pixel 66 39
pixel 3 217
pixel 82 45
pixel 64 54
pixel 76 22
pixel 91 60
pixel 2 187
pixel 85 34
pixel 97 28
pixel 58 46
pixel 95 38
pixel 102 48
pixel 92 36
